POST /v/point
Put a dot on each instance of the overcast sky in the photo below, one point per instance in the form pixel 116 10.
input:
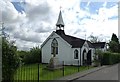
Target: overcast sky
pixel 30 22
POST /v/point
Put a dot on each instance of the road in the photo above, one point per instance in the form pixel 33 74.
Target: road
pixel 108 73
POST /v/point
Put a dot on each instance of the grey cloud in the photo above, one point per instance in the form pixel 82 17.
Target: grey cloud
pixel 43 29
pixel 6 17
pixel 10 15
pixel 10 28
pixel 79 30
pixel 40 12
pixel 25 48
pixel 29 38
pixel 24 45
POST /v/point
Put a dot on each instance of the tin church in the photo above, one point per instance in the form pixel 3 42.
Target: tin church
pixel 68 48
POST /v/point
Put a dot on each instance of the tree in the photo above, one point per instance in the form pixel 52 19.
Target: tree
pixel 9 60
pixel 114 38
pixel 21 54
pixel 94 39
pixel 98 57
pixel 114 45
pixel 34 56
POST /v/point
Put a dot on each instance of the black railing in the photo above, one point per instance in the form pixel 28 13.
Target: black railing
pixel 36 72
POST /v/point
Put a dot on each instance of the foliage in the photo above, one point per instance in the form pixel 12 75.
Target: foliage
pixel 97 57
pixel 114 38
pixel 34 56
pixel 94 39
pixel 114 45
pixel 21 54
pixel 109 58
pixel 10 60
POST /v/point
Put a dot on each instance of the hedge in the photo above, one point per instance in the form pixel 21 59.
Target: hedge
pixel 109 58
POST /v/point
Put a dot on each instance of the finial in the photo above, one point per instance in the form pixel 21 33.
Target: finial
pixel 60 7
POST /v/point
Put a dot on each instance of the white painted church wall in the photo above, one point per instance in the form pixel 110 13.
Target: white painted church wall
pixel 64 50
pixel 46 51
pixel 75 61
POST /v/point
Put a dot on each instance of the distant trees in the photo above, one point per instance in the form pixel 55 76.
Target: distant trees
pixel 21 54
pixel 32 56
pixel 114 45
pixel 94 39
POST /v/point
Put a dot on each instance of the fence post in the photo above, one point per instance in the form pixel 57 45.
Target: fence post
pixel 78 65
pixel 63 68
pixel 38 72
pixel 88 64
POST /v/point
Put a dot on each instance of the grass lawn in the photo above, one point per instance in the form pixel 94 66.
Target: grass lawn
pixel 30 72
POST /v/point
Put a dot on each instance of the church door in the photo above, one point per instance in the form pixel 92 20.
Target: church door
pixel 84 57
pixel 89 57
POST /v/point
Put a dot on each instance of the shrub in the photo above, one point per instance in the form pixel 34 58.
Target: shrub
pixel 10 61
pixel 34 56
pixel 110 58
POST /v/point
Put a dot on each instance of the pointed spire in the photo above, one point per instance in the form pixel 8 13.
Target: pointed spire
pixel 60 22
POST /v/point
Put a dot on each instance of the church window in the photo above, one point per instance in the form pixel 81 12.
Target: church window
pixel 54 47
pixel 76 54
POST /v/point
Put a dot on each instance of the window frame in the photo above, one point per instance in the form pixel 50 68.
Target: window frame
pixel 54 44
pixel 76 54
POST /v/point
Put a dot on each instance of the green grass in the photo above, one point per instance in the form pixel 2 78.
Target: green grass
pixel 30 72
pixel 27 72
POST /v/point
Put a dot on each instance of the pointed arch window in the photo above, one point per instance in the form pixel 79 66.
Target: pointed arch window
pixel 76 54
pixel 54 47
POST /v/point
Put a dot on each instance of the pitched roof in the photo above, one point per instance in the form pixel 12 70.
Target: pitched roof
pixel 90 44
pixel 99 44
pixel 74 41
pixel 78 42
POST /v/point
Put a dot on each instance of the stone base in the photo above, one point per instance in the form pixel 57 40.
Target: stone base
pixel 55 68
pixel 54 64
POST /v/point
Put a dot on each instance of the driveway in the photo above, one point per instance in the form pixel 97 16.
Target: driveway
pixel 108 73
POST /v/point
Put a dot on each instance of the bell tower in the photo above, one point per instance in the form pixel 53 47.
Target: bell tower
pixel 60 24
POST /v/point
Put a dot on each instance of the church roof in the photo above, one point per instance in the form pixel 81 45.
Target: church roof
pixel 99 44
pixel 60 20
pixel 74 41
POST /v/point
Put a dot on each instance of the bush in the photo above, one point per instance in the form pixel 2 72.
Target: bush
pixel 34 56
pixel 10 61
pixel 110 58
